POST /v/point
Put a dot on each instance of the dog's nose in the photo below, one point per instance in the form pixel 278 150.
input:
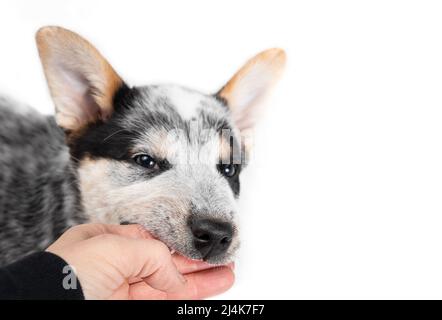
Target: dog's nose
pixel 211 237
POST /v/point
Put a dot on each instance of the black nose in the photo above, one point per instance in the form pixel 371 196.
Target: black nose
pixel 211 237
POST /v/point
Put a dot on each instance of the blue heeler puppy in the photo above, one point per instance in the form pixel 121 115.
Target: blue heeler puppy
pixel 163 156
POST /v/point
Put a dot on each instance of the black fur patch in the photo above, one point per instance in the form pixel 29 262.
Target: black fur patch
pixel 234 184
pixel 106 139
pixel 114 138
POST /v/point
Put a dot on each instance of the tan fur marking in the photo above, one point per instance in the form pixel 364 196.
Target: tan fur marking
pixel 272 59
pixel 79 55
pixel 159 142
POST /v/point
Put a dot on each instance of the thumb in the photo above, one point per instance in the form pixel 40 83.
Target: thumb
pixel 148 259
pixel 158 269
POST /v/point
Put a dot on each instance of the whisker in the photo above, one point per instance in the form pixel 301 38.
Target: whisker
pixel 111 135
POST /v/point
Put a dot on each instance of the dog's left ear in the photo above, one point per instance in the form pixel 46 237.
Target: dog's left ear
pixel 250 84
pixel 82 83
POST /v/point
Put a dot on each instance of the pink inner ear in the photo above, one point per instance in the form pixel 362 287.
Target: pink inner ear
pixel 250 84
pixel 247 95
pixel 82 83
pixel 77 101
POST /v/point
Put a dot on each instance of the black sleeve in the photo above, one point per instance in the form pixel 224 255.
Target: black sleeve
pixel 41 275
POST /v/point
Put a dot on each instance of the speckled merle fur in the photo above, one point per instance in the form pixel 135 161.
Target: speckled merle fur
pixel 39 197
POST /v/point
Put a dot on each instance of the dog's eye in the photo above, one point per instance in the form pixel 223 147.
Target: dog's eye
pixel 146 161
pixel 228 170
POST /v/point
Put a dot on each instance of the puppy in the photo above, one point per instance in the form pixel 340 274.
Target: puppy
pixel 162 156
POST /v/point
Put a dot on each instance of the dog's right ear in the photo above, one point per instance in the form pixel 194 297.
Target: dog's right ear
pixel 81 82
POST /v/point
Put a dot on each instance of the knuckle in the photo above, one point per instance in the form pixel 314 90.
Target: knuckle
pixel 80 229
pixel 85 228
pixel 111 243
pixel 140 230
pixel 106 238
pixel 135 230
pixel 75 229
pixel 161 250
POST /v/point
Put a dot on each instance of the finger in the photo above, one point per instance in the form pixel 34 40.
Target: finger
pixel 134 231
pixel 186 265
pixel 206 283
pixel 199 285
pixel 146 259
pixel 87 231
pixel 164 275
pixel 122 293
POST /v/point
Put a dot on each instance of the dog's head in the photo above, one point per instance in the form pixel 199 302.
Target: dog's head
pixel 166 157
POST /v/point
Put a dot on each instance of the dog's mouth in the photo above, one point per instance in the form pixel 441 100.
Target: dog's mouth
pixel 171 249
pixel 202 247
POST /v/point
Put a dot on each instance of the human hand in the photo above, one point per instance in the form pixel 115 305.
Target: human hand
pixel 125 262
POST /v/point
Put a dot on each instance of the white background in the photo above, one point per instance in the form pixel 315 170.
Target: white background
pixel 343 198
